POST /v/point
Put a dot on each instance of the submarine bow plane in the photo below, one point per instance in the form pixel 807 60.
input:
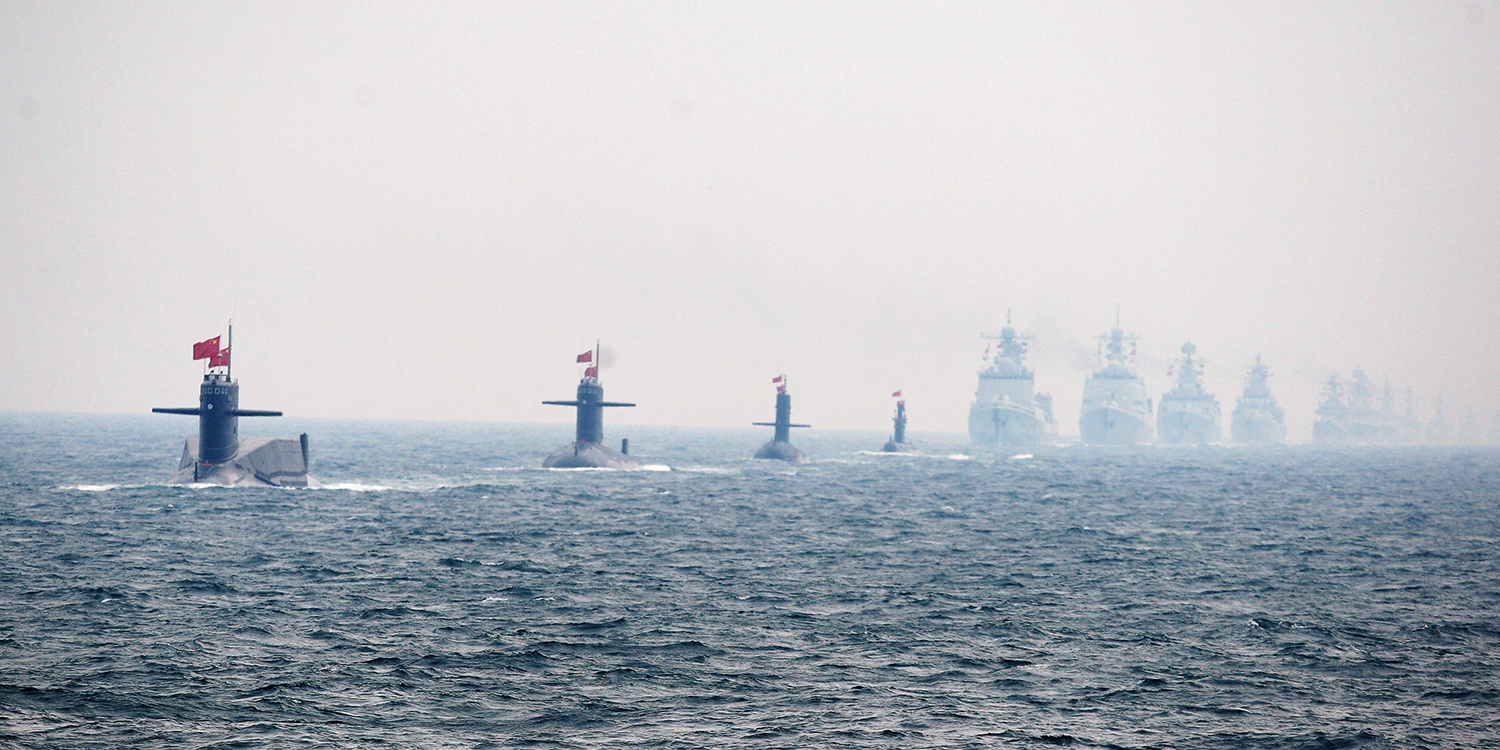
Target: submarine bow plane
pixel 780 447
pixel 587 451
pixel 217 454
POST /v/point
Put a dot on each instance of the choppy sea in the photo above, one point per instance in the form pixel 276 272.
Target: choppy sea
pixel 443 591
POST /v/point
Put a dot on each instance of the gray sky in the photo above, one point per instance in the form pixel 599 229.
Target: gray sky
pixel 426 210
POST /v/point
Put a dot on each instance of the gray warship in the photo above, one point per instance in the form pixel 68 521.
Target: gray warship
pixel 780 447
pixel 1409 428
pixel 897 443
pixel 217 454
pixel 1007 410
pixel 587 451
pixel 1116 409
pixel 1257 417
pixel 1347 415
pixel 1439 430
pixel 1188 413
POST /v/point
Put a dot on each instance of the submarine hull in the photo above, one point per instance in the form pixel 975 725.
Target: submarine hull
pixel 781 450
pixel 257 462
pixel 588 456
pixel 891 446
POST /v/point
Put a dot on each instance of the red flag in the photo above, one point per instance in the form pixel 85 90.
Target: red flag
pixel 897 394
pixel 219 360
pixel 777 379
pixel 206 349
pixel 781 389
pixel 591 372
pixel 587 356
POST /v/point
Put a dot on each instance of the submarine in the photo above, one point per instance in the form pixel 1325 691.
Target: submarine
pixel 217 454
pixel 897 443
pixel 780 448
pixel 587 451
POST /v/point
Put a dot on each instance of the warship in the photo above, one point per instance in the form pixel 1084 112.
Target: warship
pixel 1116 409
pixel 1439 430
pixel 1188 413
pixel 1257 417
pixel 1006 408
pixel 1348 414
pixel 217 454
pixel 780 448
pixel 897 443
pixel 1409 428
pixel 587 451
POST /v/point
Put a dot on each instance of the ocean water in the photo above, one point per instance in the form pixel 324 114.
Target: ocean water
pixel 445 592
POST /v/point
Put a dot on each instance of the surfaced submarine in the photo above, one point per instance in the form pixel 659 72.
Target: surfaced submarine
pixel 897 443
pixel 587 451
pixel 780 447
pixel 217 454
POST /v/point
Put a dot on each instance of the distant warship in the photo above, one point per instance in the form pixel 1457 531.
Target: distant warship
pixel 780 447
pixel 587 451
pixel 1257 417
pixel 217 454
pixel 1188 413
pixel 1439 430
pixel 1409 426
pixel 1116 409
pixel 897 443
pixel 1006 408
pixel 1348 415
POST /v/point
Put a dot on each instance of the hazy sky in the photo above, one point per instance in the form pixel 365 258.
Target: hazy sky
pixel 426 210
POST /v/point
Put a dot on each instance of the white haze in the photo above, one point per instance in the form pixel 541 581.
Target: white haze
pixel 427 210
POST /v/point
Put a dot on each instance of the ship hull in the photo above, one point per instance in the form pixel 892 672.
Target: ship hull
pixel 1112 426
pixel 778 450
pixel 1187 422
pixel 257 462
pixel 1253 428
pixel 1004 424
pixel 588 456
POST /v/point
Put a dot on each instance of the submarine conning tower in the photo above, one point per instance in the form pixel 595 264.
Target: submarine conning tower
pixel 218 415
pixel 900 422
pixel 590 404
pixel 783 423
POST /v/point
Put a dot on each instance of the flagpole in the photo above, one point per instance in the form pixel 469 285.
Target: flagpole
pixel 229 365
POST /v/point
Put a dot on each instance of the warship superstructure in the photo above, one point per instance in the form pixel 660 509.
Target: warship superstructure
pixel 1188 413
pixel 217 454
pixel 780 447
pixel 1116 409
pixel 1007 410
pixel 1257 417
pixel 1347 413
pixel 588 451
pixel 897 443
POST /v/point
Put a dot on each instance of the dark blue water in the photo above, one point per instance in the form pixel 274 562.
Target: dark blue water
pixel 446 593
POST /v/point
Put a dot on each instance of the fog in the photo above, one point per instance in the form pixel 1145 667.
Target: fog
pixel 426 211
